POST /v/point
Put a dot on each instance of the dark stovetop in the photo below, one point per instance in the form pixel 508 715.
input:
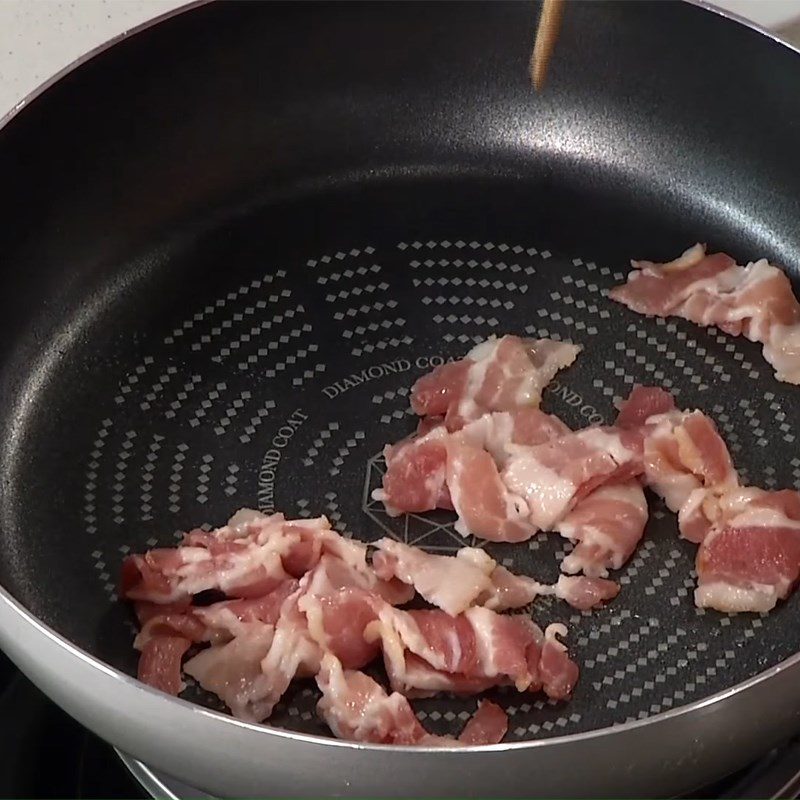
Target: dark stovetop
pixel 46 754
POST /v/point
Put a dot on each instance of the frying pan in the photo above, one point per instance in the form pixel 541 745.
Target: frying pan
pixel 232 241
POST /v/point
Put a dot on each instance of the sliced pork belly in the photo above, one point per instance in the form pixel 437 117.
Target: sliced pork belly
pixel 454 583
pixel 260 644
pixel 430 651
pixel 328 612
pixel 552 477
pixel 216 623
pixel 686 461
pixel 642 403
pixel 497 375
pixel 502 432
pixel 416 468
pixel 750 558
pixel 606 525
pixel 755 301
pixel 416 472
pixel 233 672
pixel 583 592
pixel 251 672
pixel 485 506
pixel 357 708
pixel 160 663
pixel 488 725
pixel 557 671
pixel 249 557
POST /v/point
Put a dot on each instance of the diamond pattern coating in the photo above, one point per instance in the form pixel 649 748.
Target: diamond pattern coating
pixel 281 392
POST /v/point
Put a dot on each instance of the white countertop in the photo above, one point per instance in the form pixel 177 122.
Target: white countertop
pixel 38 38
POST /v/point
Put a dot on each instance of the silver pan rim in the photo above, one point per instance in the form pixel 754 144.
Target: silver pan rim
pixel 134 688
pixel 27 99
pixel 708 5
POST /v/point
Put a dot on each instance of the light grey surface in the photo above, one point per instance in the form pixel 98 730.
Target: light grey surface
pixel 38 38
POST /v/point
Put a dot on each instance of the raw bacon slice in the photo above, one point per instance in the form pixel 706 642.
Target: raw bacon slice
pixel 416 471
pixel 552 477
pixel 430 651
pixel 686 461
pixel 416 467
pixel 454 583
pixel 607 525
pixel 327 612
pixel 497 375
pixel 160 663
pixel 171 620
pixel 584 593
pixel 751 557
pixel 501 432
pixel 251 672
pixel 216 623
pixel 249 557
pixel 488 725
pixel 642 403
pixel 755 301
pixel 229 618
pixel 357 708
pixel 337 621
pixel 558 672
pixel 484 504
pixel 233 672
pixel 663 289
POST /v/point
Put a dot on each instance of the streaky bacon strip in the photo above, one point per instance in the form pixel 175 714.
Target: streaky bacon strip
pixel 686 462
pixel 454 583
pixel 488 725
pixel 750 559
pixel 160 663
pixel 357 708
pixel 416 472
pixel 234 673
pixel 497 375
pixel 485 505
pixel 755 301
pixel 749 539
pixel 642 403
pixel 327 612
pixel 416 467
pixel 607 525
pixel 558 672
pixel 249 557
pixel 553 477
pixel 216 623
pixel 584 592
pixel 430 651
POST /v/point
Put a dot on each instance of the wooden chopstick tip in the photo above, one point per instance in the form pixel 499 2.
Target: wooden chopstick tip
pixel 546 36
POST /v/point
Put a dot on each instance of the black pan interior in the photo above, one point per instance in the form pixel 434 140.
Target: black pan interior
pixel 224 266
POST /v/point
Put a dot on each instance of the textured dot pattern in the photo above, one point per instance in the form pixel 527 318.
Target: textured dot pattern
pixel 282 392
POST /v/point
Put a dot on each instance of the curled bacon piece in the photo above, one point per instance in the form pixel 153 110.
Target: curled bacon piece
pixel 497 375
pixel 356 707
pixel 755 301
pixel 331 607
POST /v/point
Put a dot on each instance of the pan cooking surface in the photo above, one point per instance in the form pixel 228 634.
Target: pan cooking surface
pixel 258 366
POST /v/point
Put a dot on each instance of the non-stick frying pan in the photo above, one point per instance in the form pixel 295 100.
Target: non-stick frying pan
pixel 229 245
